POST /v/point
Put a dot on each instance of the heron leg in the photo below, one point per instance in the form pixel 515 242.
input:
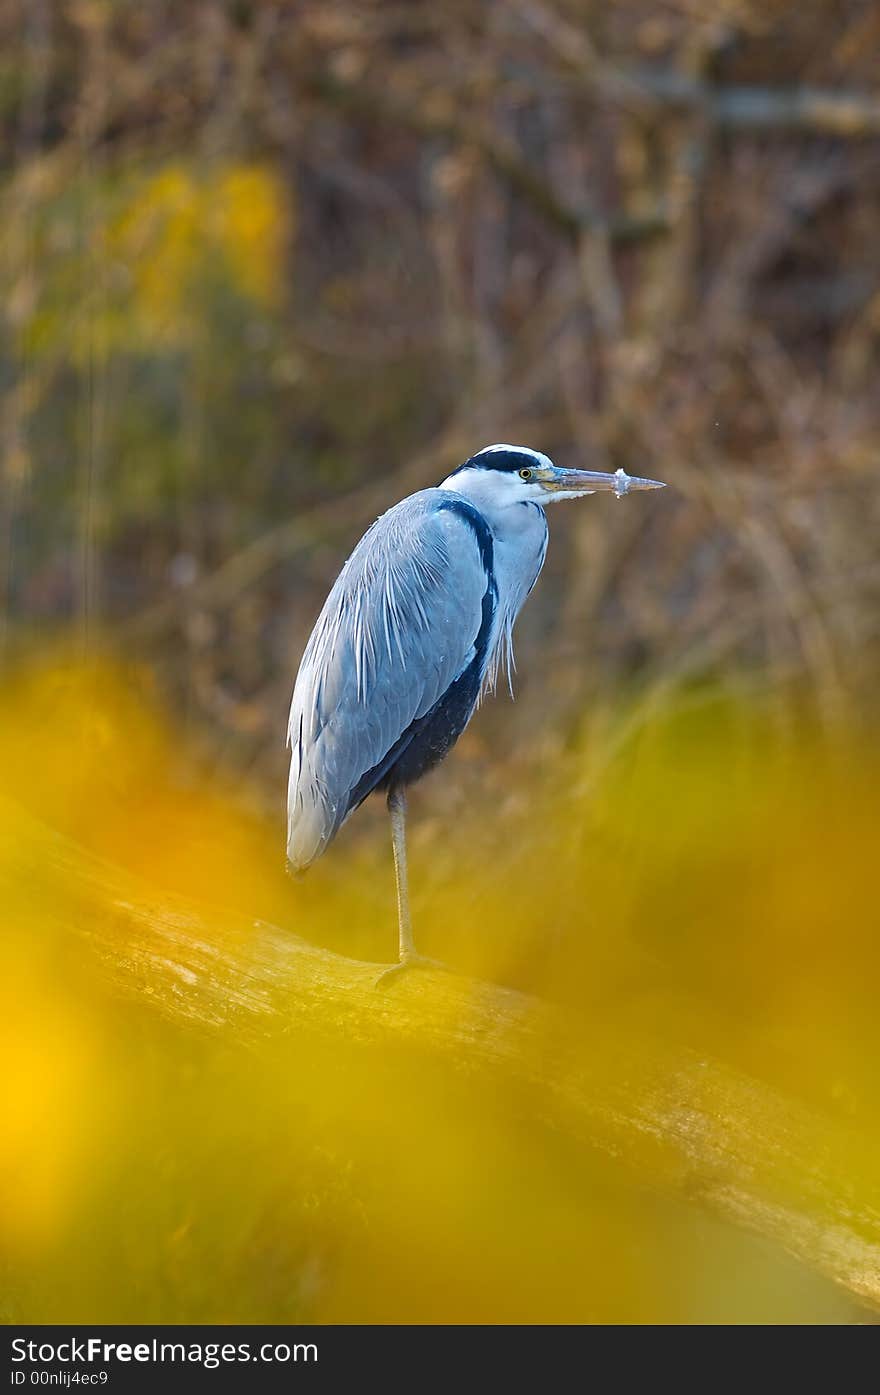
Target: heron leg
pixel 409 959
pixel 397 810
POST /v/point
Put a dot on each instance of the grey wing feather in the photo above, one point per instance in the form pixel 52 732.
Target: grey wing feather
pixel 398 627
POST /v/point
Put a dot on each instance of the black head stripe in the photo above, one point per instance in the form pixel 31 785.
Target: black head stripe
pixel 510 460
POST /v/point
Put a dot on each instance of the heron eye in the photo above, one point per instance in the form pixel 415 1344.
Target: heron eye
pixel 525 474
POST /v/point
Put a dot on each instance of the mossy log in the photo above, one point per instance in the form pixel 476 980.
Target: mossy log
pixel 679 1123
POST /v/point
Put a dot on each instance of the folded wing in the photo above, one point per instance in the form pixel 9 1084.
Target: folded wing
pixel 400 625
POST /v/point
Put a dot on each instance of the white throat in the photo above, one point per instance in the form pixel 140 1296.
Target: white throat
pixel 491 490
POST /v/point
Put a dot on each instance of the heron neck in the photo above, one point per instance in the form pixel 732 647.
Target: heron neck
pixel 519 534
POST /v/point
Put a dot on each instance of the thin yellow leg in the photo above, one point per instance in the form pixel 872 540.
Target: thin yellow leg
pixel 397 810
pixel 408 957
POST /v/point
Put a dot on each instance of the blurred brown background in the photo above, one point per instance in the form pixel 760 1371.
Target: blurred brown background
pixel 267 267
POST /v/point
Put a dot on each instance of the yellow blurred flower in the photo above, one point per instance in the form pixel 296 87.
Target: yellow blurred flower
pixel 125 263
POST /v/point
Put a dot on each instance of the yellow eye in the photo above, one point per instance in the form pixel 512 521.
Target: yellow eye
pixel 525 474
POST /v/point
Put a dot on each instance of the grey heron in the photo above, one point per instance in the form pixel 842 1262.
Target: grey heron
pixel 414 630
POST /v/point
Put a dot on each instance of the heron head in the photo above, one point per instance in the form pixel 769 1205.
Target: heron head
pixel 517 474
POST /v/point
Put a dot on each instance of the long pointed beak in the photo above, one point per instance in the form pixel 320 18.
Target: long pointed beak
pixel 595 482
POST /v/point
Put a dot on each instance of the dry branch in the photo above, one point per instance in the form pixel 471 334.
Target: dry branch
pixel 824 111
pixel 644 92
pixel 686 1126
pixel 500 155
pixel 641 90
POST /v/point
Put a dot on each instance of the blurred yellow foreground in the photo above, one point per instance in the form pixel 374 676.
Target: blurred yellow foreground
pixel 705 881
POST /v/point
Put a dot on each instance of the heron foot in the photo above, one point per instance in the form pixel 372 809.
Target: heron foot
pixel 410 961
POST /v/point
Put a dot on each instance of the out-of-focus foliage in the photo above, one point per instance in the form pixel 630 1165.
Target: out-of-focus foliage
pixel 149 250
pixel 712 886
